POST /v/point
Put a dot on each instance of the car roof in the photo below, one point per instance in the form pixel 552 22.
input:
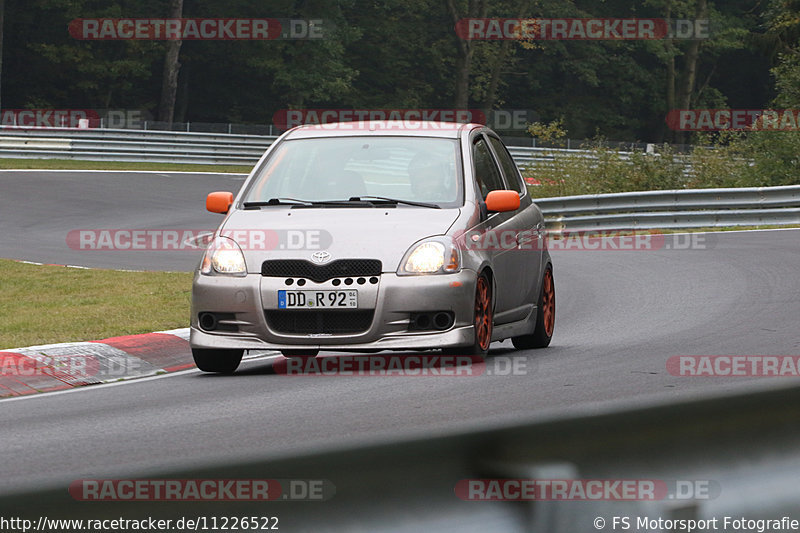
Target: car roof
pixel 411 128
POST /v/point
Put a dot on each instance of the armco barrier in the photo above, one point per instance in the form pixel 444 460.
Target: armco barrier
pixel 636 210
pixel 674 209
pixel 175 146
pixel 132 146
pixel 744 445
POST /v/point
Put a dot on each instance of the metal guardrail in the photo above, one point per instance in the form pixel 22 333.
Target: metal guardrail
pixel 674 209
pixel 133 146
pixel 637 210
pixel 183 147
pixel 744 446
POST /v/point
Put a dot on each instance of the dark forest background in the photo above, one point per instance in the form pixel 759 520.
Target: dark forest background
pixel 406 54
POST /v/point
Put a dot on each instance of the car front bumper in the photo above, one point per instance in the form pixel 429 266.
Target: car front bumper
pixel 393 299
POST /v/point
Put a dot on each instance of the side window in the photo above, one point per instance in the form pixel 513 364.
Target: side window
pixel 486 172
pixel 508 165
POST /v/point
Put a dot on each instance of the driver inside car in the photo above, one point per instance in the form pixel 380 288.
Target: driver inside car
pixel 430 178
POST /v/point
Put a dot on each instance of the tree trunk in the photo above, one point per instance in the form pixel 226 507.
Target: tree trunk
pixel 497 67
pixel 672 134
pixel 182 99
pixel 670 46
pixel 464 48
pixel 2 25
pixel 463 61
pixel 690 67
pixel 169 84
pixel 494 77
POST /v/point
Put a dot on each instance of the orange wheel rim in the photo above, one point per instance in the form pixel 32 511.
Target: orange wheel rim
pixel 483 314
pixel 548 303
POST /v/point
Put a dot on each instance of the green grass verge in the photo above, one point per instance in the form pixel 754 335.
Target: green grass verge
pixel 49 304
pixel 71 164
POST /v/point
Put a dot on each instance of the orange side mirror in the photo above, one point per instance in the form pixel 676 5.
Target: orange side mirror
pixel 502 201
pixel 219 202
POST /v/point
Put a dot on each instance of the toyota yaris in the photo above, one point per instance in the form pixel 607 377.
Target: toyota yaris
pixel 374 236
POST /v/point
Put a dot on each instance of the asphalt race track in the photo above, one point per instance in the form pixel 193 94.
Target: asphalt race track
pixel 38 209
pixel 620 316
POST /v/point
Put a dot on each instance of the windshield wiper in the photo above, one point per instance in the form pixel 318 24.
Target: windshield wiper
pixel 276 201
pixel 393 201
pixel 306 203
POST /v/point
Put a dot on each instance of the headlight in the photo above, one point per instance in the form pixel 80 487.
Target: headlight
pixel 223 256
pixel 432 256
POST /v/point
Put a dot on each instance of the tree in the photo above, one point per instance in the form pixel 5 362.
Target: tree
pixel 169 83
pixel 464 48
pixel 2 25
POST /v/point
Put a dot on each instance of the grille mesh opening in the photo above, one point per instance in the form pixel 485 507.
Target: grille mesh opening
pixel 333 321
pixel 300 268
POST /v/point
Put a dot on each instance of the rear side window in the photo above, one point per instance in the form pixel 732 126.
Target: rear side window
pixel 486 172
pixel 507 164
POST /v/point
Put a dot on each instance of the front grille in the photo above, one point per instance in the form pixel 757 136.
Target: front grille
pixel 300 268
pixel 306 322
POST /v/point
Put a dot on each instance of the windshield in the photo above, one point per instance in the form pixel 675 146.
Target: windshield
pixel 416 169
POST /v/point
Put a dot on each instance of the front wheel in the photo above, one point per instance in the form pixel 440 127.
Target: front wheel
pixel 483 319
pixel 218 361
pixel 545 316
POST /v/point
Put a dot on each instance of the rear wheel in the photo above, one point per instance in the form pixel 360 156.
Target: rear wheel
pixel 219 361
pixel 483 319
pixel 545 316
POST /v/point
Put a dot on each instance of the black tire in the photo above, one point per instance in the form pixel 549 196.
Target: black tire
pixel 483 319
pixel 300 354
pixel 545 318
pixel 217 361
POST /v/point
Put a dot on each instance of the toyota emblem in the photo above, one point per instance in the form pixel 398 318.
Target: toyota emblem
pixel 320 257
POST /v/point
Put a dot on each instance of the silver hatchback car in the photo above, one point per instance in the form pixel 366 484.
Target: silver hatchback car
pixel 374 236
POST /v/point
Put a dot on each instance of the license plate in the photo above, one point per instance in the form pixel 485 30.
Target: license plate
pixel 317 299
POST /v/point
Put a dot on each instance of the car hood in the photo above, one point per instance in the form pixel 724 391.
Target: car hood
pixel 368 233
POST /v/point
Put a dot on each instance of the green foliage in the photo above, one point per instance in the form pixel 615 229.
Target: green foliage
pixel 752 159
pixel 402 54
pixel 600 169
pixel 552 132
pixel 775 157
pixel 787 80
